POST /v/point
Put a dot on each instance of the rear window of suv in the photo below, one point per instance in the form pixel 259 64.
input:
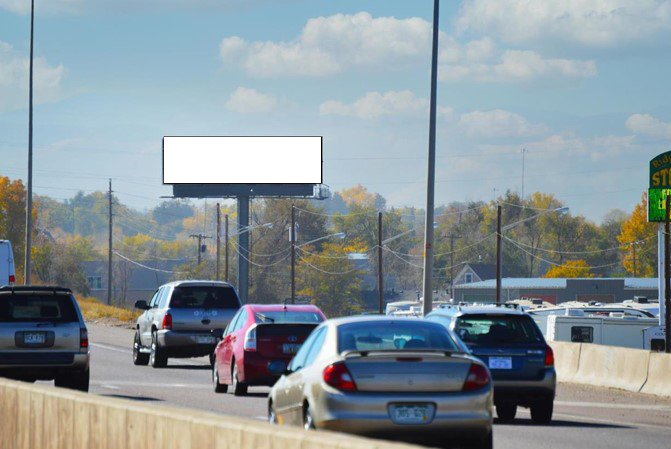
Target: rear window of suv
pixel 37 308
pixel 394 335
pixel 493 329
pixel 204 297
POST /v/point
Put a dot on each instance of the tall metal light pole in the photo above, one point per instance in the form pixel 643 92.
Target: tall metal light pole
pixel 293 254
pixel 430 184
pixel 29 199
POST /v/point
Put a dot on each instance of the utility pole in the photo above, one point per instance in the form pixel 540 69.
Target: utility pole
pixel 293 254
pixel 380 278
pixel 200 238
pixel 218 241
pixel 452 237
pixel 524 151
pixel 29 193
pixel 667 278
pixel 226 248
pixel 633 246
pixel 109 248
pixel 498 254
pixel 431 175
pixel 243 248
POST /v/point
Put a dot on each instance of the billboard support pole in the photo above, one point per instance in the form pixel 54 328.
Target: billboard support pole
pixel 243 247
pixel 293 254
pixel 660 271
pixel 667 278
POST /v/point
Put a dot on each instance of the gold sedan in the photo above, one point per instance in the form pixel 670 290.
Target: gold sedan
pixel 386 377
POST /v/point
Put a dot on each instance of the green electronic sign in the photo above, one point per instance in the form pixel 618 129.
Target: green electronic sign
pixel 660 186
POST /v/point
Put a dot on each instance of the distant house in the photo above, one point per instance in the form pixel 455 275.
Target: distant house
pixel 131 282
pixel 477 272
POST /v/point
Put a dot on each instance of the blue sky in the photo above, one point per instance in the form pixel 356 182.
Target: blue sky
pixel 583 86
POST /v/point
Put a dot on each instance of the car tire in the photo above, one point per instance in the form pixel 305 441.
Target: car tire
pixel 239 388
pixel 272 416
pixel 74 380
pixel 308 419
pixel 157 357
pixel 218 387
pixel 541 411
pixel 485 443
pixel 139 358
pixel 506 411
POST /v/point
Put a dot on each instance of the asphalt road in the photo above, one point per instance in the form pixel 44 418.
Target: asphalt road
pixel 584 416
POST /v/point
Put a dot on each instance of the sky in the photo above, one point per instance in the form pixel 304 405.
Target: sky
pixel 575 91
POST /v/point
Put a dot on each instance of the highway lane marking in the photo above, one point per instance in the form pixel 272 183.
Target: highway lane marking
pixel 588 419
pixel 605 405
pixel 128 351
pixel 130 383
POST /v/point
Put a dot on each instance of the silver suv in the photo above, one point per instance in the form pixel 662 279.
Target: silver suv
pixel 43 336
pixel 179 320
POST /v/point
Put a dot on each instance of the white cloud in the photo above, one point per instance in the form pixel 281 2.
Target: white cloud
pixel 374 105
pixel 250 101
pixel 601 23
pixel 648 125
pixel 497 123
pixel 330 45
pixel 14 74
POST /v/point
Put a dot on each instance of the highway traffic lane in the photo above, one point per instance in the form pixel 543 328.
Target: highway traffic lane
pixel 585 416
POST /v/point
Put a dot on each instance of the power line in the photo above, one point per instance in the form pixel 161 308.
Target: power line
pixel 145 266
pixel 623 246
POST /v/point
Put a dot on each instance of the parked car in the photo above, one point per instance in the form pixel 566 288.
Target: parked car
pixel 259 343
pixel 386 377
pixel 179 319
pixel 7 272
pixel 43 336
pixel 508 340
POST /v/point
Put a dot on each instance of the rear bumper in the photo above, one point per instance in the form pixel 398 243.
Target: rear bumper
pixel 41 365
pixel 256 368
pixel 525 392
pixel 186 344
pixel 458 416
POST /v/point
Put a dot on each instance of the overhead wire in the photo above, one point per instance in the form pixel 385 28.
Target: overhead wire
pixel 117 253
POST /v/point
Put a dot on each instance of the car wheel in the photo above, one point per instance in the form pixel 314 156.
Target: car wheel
pixel 506 411
pixel 157 356
pixel 218 387
pixel 272 417
pixel 541 411
pixel 239 389
pixel 139 358
pixel 308 419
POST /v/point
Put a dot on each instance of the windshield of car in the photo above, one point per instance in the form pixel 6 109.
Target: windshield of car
pixel 497 329
pixel 394 335
pixel 288 317
pixel 37 308
pixel 204 297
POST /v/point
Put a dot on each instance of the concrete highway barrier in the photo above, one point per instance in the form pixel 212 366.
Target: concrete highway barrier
pixel 567 357
pixel 45 417
pixel 659 375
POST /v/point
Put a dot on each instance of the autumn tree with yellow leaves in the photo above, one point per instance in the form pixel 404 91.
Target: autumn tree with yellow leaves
pixel 638 235
pixel 570 269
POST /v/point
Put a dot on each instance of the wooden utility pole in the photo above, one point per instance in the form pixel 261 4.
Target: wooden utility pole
pixel 293 254
pixel 667 278
pixel 218 241
pixel 109 247
pixel 452 237
pixel 498 254
pixel 633 245
pixel 200 238
pixel 380 278
pixel 226 248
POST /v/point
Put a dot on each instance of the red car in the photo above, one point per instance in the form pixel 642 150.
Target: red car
pixel 258 344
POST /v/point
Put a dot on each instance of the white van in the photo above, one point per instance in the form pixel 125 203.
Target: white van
pixel 7 273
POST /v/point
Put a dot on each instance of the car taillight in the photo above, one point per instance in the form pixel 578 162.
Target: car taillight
pixel 250 340
pixel 12 279
pixel 83 338
pixel 338 376
pixel 549 356
pixel 478 377
pixel 167 321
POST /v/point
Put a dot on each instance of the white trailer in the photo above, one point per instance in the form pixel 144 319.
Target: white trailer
pixel 7 273
pixel 622 331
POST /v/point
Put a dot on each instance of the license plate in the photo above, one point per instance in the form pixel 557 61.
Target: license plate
pixel 411 414
pixel 290 348
pixel 34 339
pixel 500 363
pixel 204 339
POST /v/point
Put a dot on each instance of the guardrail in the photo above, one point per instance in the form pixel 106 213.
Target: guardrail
pixel 41 416
pixel 613 367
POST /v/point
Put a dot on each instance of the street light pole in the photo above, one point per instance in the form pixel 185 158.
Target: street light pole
pixel 29 198
pixel 498 254
pixel 380 279
pixel 293 254
pixel 430 184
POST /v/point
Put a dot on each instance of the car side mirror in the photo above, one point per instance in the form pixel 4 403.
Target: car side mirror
pixel 141 305
pixel 217 333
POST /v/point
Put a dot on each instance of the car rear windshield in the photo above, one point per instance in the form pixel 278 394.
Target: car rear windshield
pixel 204 297
pixel 288 317
pixel 497 329
pixel 394 335
pixel 37 308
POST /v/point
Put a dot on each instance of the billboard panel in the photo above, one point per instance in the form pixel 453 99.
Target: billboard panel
pixel 242 160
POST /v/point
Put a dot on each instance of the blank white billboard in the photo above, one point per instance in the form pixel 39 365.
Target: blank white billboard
pixel 242 160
